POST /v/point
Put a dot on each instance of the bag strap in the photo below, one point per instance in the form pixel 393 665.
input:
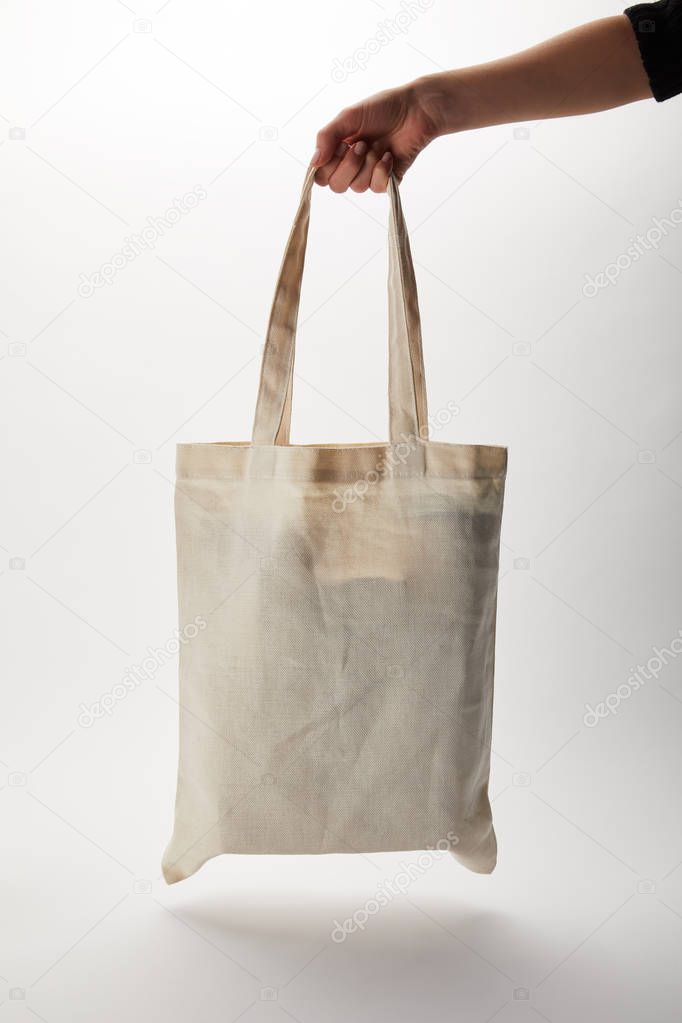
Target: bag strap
pixel 406 389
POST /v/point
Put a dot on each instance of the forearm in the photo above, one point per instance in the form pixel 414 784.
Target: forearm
pixel 604 64
pixel 594 67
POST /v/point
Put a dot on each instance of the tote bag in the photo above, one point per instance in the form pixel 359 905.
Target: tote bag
pixel 337 613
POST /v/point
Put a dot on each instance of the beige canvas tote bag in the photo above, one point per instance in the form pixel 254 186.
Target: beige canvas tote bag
pixel 339 602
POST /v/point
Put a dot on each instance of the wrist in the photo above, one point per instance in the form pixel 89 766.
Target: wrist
pixel 447 102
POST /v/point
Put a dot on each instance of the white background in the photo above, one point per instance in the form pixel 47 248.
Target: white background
pixel 104 120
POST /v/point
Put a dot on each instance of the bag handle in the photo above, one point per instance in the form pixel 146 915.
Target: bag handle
pixel 406 389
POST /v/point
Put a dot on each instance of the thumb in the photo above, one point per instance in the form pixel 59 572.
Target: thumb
pixel 344 128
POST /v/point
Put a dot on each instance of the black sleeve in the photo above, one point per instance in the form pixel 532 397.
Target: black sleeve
pixel 658 28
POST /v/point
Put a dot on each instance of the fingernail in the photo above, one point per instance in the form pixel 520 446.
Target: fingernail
pixel 315 157
pixel 341 149
pixel 360 148
pixel 387 158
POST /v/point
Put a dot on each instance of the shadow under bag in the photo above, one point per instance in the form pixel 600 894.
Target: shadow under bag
pixel 336 691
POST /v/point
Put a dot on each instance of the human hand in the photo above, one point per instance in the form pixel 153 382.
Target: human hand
pixel 384 133
pixel 593 67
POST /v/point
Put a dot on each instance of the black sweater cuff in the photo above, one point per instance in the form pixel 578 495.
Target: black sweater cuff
pixel 658 29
